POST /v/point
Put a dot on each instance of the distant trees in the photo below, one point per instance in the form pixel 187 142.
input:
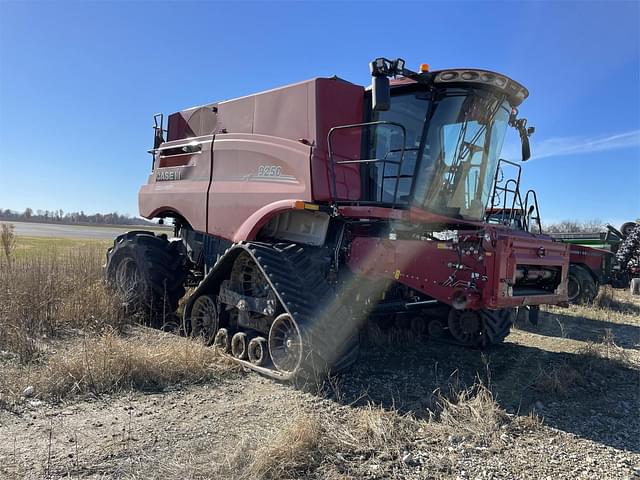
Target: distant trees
pixel 574 226
pixel 59 216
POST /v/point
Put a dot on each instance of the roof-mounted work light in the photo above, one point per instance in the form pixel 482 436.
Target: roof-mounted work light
pixel 381 69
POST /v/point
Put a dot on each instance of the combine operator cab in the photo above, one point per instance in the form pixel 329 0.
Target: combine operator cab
pixel 429 160
pixel 304 211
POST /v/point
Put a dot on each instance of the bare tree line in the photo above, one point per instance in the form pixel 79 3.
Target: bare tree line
pixel 60 216
pixel 575 226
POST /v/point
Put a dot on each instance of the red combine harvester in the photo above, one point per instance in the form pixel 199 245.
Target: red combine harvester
pixel 303 211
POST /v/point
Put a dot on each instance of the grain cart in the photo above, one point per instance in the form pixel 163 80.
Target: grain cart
pixel 300 212
pixel 602 258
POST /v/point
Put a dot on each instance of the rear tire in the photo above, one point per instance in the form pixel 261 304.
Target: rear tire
pixel 148 274
pixel 582 286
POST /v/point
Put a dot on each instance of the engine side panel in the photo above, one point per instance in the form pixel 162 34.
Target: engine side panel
pixel 250 173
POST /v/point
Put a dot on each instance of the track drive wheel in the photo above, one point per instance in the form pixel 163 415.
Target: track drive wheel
pixel 204 318
pixel 147 272
pixel 582 288
pixel 480 328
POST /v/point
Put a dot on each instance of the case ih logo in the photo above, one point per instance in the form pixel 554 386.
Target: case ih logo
pixel 168 175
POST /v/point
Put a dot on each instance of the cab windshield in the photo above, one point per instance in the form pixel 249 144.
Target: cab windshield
pixel 451 149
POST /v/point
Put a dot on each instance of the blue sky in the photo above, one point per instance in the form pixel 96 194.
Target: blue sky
pixel 80 81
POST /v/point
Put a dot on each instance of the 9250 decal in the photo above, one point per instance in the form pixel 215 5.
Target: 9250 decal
pixel 269 171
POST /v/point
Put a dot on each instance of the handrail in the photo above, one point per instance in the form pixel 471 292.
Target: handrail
pixel 384 161
pixel 505 190
pixel 534 196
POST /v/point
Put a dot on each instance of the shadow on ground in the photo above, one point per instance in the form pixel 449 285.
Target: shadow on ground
pixel 609 302
pixel 593 397
pixel 584 329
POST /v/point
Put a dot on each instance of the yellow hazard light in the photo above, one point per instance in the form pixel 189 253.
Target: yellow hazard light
pixel 301 205
pixel 424 67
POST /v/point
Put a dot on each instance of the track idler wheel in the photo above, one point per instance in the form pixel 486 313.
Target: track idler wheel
pixel 285 344
pixel 222 341
pixel 203 320
pixel 239 345
pixel 258 351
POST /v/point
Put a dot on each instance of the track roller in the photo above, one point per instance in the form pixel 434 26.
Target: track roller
pixel 239 345
pixel 222 340
pixel 258 351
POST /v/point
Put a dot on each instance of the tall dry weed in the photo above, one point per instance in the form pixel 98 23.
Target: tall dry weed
pixel 145 361
pixel 7 240
pixel 48 295
pixel 292 452
pixel 139 360
pixel 471 413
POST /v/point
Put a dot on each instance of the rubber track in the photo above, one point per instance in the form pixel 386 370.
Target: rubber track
pixel 304 293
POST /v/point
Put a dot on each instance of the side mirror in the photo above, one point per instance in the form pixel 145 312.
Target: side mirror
pixel 380 93
pixel 520 124
pixel 526 148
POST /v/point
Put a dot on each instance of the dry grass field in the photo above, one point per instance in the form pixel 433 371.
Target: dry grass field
pixel 85 393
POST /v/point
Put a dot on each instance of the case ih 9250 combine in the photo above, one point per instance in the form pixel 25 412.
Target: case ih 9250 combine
pixel 302 211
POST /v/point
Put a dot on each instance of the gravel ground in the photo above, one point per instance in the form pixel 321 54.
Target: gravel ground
pixel 586 398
